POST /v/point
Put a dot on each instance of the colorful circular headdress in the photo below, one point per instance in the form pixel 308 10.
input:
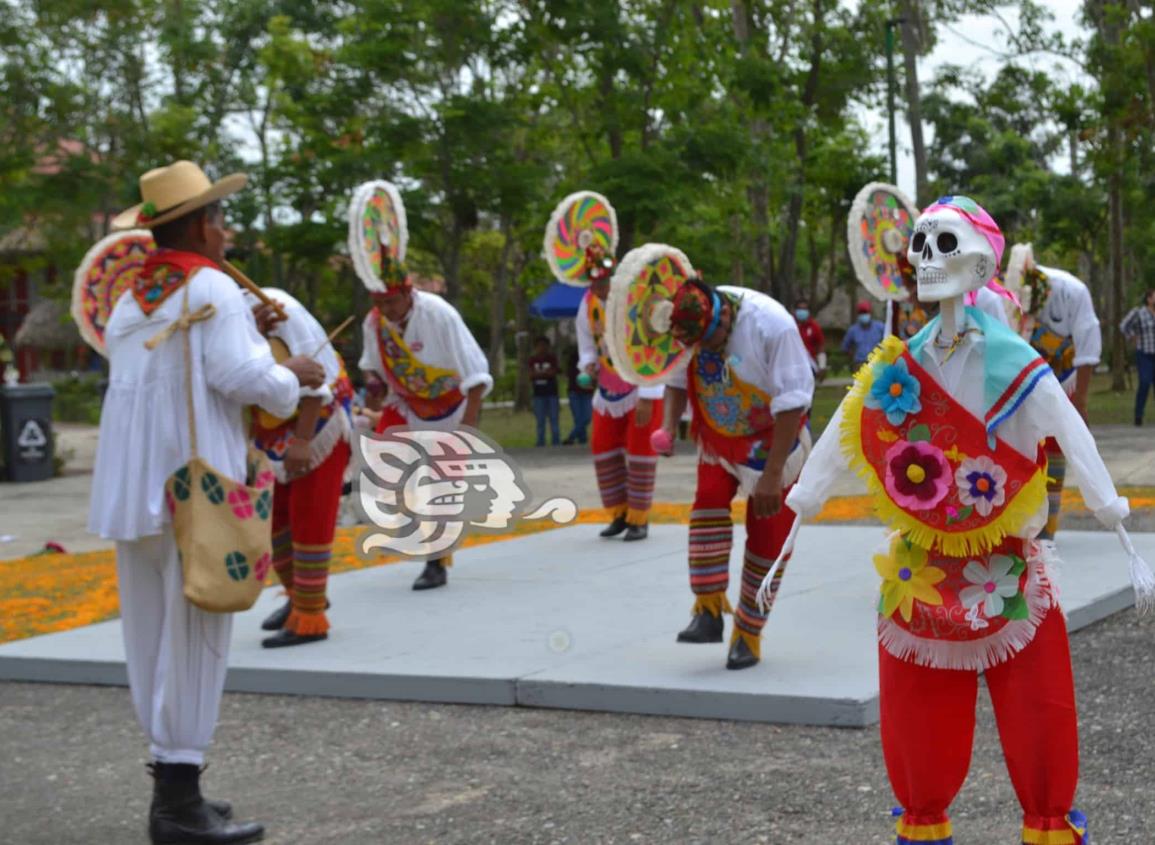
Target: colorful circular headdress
pixel 638 310
pixel 580 221
pixel 107 270
pixel 378 234
pixel 878 229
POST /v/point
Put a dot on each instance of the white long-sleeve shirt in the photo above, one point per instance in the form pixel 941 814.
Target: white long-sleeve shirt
pixel 436 334
pixel 144 433
pixel 589 353
pixel 765 350
pixel 1070 312
pixel 1045 413
pixel 302 334
pixel 993 305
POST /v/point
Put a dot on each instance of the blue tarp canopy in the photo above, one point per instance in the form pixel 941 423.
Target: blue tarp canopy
pixel 558 302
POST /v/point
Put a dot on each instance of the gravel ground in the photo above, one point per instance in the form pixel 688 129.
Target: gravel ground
pixel 323 771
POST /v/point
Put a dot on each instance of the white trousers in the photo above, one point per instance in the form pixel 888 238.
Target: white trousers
pixel 177 654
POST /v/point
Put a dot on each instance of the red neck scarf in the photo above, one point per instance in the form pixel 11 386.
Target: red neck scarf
pixel 164 273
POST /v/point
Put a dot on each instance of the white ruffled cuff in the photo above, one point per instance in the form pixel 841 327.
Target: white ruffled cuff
pixel 1113 513
pixel 473 381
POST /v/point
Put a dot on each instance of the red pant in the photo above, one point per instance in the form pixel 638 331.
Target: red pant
pixel 304 521
pixel 928 720
pixel 625 463
pixel 711 538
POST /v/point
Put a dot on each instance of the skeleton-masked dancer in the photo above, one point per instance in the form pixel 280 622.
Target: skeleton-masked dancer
pixel 309 452
pixel 945 431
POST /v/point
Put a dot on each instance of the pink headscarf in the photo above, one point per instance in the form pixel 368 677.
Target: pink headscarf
pixel 986 226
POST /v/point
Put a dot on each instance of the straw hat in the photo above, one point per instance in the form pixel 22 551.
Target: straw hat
pixel 174 191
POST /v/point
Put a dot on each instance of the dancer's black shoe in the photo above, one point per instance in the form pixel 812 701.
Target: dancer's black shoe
pixel 180 814
pixel 434 576
pixel 618 526
pixel 705 627
pixel 740 657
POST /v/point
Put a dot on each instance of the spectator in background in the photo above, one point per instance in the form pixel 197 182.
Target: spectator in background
pixel 861 338
pixel 543 373
pixel 812 337
pixel 1139 325
pixel 581 400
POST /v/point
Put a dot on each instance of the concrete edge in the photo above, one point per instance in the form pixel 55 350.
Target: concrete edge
pixel 699 704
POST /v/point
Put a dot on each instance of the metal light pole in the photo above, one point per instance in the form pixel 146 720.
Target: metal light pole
pixel 890 83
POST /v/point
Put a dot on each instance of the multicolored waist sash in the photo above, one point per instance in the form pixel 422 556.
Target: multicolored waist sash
pixel 432 393
pixel 274 440
pixel 1057 350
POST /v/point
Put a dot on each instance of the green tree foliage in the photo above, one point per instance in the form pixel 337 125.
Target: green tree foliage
pixel 731 128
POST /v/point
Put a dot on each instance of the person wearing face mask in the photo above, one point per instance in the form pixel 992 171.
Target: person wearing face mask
pixel 436 373
pixel 863 336
pixel 812 337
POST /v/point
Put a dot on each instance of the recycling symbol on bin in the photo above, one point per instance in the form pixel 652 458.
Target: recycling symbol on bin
pixel 31 441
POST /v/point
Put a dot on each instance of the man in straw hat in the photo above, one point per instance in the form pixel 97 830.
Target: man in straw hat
pixel 177 653
pixel 751 385
pixel 436 374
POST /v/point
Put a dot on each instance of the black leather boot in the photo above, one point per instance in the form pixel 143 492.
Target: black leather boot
pixel 434 576
pixel 740 657
pixel 615 528
pixel 636 532
pixel 276 620
pixel 179 815
pixel 705 627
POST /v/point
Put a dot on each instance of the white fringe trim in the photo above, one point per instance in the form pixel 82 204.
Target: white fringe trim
pixel 748 476
pixel 322 445
pixel 619 407
pixel 976 655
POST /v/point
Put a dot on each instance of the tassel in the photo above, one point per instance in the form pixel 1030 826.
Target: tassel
pixel 1142 578
pixel 763 596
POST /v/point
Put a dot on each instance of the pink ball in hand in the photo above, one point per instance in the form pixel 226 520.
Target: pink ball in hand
pixel 662 442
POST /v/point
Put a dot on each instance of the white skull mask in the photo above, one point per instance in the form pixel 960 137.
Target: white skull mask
pixel 950 255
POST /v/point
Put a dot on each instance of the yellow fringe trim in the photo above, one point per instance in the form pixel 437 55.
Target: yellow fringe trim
pixel 1015 513
pixel 637 517
pixel 619 512
pixel 307 624
pixel 754 643
pixel 713 603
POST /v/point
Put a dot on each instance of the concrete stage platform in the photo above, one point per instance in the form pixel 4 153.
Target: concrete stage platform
pixel 567 620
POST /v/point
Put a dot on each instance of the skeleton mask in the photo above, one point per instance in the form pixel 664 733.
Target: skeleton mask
pixel 956 248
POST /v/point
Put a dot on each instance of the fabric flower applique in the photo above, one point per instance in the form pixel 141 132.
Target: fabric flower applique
pixel 981 484
pixel 906 577
pixel 917 475
pixel 993 586
pixel 894 391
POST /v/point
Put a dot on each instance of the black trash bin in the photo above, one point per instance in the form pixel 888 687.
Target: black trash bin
pixel 26 425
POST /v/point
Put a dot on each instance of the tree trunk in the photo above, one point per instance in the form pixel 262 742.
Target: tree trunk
pixel 737 268
pixel 1115 237
pixel 910 52
pixel 500 294
pixel 521 391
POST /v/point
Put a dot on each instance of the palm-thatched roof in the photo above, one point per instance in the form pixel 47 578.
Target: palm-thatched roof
pixel 48 325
